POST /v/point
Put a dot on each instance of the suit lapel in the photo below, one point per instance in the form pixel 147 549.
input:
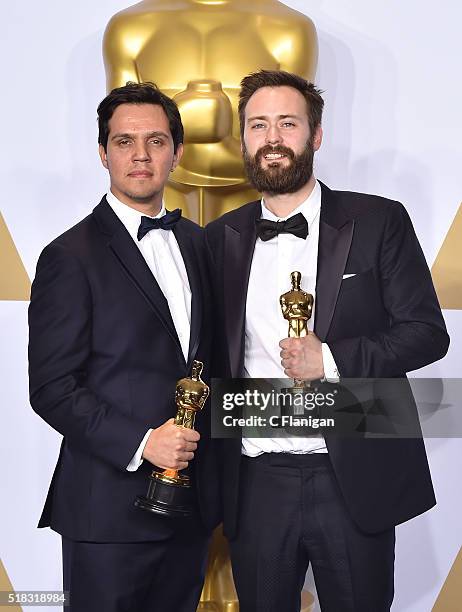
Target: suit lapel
pixel 191 260
pixel 238 252
pixel 335 236
pixel 130 258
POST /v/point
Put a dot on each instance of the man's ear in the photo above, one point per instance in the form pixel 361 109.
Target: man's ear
pixel 317 140
pixel 177 156
pixel 103 156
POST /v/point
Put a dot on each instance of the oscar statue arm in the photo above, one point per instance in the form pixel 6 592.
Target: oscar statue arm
pixel 284 306
pixel 120 47
pixel 293 43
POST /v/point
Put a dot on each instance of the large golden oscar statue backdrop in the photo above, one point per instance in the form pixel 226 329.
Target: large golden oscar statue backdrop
pixel 197 52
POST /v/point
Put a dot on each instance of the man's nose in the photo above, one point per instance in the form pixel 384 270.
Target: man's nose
pixel 273 136
pixel 141 152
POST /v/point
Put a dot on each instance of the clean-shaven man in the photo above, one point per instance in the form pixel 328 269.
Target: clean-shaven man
pixel 118 312
pixel 330 501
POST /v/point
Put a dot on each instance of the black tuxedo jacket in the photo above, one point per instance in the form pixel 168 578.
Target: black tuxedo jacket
pixel 104 359
pixel 382 322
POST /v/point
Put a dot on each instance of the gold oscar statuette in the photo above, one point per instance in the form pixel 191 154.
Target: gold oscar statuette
pixel 169 492
pixel 297 307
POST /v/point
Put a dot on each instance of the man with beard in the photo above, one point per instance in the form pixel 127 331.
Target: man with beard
pixel 329 501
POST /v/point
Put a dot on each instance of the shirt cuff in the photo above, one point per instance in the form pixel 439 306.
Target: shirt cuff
pixel 331 373
pixel 137 458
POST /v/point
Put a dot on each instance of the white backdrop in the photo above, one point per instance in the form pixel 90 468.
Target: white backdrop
pixel 391 75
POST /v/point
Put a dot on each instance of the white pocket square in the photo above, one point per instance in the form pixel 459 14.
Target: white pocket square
pixel 347 276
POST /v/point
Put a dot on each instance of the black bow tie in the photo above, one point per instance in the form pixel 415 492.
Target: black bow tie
pixel 296 225
pixel 167 222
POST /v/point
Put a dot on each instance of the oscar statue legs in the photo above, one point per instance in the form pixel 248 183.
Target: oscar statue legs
pixel 292 514
pixel 204 204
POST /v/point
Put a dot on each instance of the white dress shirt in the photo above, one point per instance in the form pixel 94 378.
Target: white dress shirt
pixel 162 254
pixel 272 263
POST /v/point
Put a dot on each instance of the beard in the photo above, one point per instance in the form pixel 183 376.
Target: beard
pixel 143 198
pixel 280 178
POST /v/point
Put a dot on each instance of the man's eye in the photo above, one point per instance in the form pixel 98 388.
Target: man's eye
pixel 288 124
pixel 257 126
pixel 124 142
pixel 156 141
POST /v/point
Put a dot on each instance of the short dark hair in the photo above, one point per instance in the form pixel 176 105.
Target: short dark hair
pixel 138 93
pixel 280 78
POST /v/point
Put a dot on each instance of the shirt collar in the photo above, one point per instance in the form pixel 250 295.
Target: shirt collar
pixel 309 207
pixel 130 217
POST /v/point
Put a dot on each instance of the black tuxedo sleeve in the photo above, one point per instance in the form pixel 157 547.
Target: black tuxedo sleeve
pixel 60 340
pixel 416 334
pixel 219 362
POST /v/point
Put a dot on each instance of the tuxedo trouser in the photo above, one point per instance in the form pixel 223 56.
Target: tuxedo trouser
pixel 157 576
pixel 291 514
